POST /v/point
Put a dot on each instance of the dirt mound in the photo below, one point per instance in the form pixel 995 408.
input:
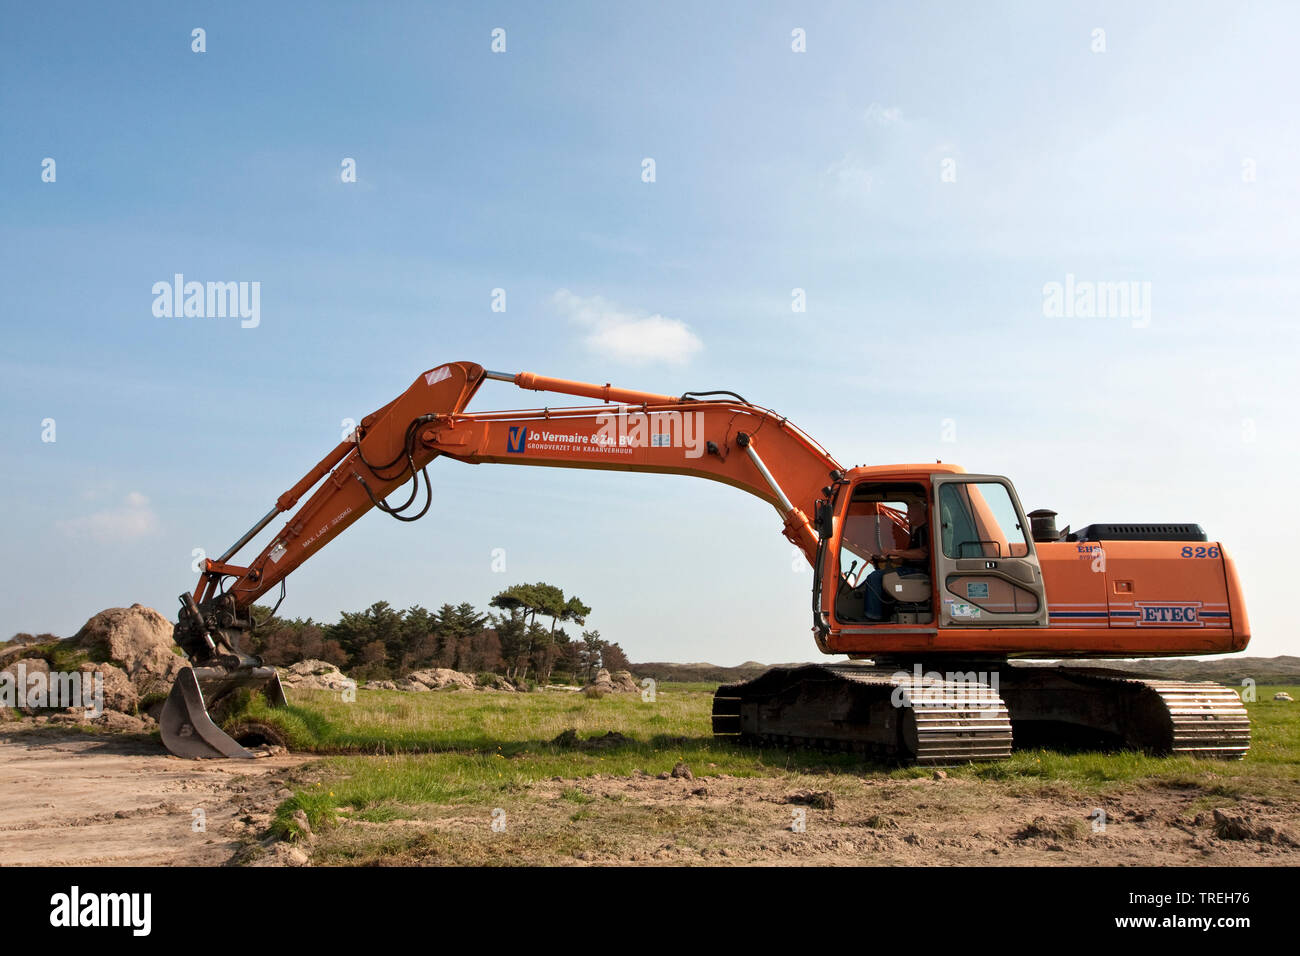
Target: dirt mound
pixel 570 740
pixel 314 675
pixel 1061 829
pixel 136 639
pixel 435 678
pixel 1230 826
pixel 619 682
pixel 817 799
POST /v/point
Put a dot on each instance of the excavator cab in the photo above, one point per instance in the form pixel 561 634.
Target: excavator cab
pixel 922 551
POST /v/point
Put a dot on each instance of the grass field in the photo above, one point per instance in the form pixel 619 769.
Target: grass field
pixel 418 777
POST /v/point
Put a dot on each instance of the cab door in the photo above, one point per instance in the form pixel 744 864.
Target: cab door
pixel 986 569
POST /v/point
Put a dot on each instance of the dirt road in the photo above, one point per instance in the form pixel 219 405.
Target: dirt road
pixel 71 799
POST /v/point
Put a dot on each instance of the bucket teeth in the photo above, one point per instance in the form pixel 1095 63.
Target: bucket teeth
pixel 188 729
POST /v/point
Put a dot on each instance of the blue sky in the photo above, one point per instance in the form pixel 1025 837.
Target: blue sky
pixel 1169 159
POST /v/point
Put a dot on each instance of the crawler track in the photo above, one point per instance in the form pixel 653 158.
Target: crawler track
pixel 1196 718
pixel 867 709
pixel 973 715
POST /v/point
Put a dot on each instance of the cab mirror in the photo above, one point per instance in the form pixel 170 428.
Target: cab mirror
pixel 824 519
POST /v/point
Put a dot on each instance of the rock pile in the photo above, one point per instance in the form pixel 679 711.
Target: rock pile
pixel 131 650
pixel 441 678
pixel 619 682
pixel 434 678
pixel 313 674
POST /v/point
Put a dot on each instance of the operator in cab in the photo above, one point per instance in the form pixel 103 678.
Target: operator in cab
pixel 908 562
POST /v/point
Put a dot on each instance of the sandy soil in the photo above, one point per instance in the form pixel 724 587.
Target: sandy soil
pixel 640 821
pixel 72 799
pixel 948 822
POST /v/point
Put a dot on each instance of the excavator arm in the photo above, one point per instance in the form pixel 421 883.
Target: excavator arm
pixel 713 435
pixel 727 440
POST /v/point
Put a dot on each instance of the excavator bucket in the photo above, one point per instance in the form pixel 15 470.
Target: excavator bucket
pixel 188 729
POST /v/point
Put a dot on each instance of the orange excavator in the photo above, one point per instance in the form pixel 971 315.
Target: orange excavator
pixel 932 581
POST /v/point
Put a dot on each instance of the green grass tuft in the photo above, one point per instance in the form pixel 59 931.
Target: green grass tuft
pixel 319 805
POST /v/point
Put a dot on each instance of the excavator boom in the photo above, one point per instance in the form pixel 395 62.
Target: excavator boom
pixel 631 431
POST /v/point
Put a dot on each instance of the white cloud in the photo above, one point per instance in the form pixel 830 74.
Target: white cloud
pixel 850 175
pixel 133 519
pixel 635 338
pixel 877 115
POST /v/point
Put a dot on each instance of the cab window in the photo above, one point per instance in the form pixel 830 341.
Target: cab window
pixel 872 527
pixel 978 519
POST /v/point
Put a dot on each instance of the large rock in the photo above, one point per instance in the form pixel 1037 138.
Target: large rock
pixel 130 651
pixel 620 682
pixel 119 693
pixel 494 682
pixel 21 680
pixel 435 678
pixel 138 640
pixel 315 675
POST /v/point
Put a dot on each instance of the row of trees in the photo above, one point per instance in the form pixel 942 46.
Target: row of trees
pixel 523 640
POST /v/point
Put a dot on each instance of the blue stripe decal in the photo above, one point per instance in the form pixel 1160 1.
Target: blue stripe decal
pixel 1125 615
